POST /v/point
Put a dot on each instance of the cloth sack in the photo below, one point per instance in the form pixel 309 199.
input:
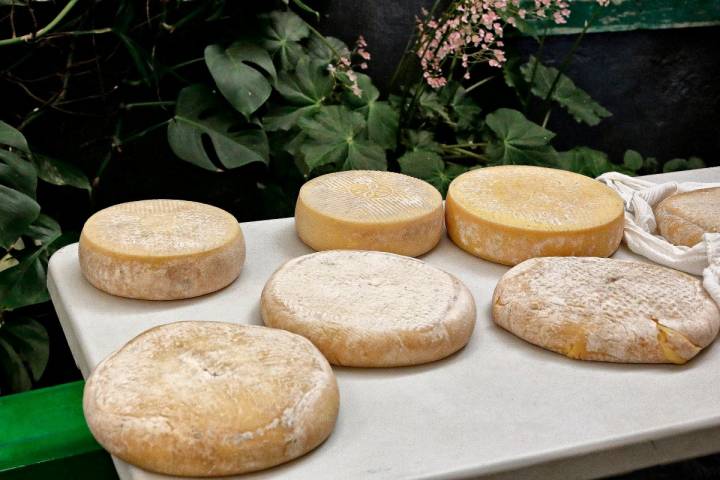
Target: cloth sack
pixel 640 196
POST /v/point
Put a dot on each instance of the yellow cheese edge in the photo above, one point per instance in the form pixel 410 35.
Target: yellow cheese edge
pixel 411 237
pixel 510 246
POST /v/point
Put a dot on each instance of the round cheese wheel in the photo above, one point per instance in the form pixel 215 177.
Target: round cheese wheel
pixel 511 213
pixel 161 249
pixel 684 218
pixel 606 309
pixel 370 309
pixel 369 210
pixel 210 399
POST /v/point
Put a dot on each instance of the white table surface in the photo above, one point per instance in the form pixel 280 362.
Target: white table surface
pixel 500 408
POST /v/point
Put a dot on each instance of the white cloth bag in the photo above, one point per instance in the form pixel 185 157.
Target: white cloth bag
pixel 640 196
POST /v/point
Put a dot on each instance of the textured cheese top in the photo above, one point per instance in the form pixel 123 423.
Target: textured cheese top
pixel 372 305
pixel 606 309
pixel 536 198
pixel 161 228
pixel 685 217
pixel 370 196
pixel 210 398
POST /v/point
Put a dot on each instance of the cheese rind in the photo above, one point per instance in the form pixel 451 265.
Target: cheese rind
pixel 161 249
pixel 211 399
pixel 369 210
pixel 607 310
pixel 684 218
pixel 370 309
pixel 511 213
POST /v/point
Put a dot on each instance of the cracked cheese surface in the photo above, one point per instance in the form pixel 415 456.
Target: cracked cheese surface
pixel 511 213
pixel 370 309
pixel 211 398
pixel 606 309
pixel 684 218
pixel 369 210
pixel 161 249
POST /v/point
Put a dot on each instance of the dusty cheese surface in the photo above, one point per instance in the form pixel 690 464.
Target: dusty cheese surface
pixel 211 398
pixel 606 309
pixel 369 210
pixel 511 213
pixel 370 309
pixel 684 218
pixel 161 249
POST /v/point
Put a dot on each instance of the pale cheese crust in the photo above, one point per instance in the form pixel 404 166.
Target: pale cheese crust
pixel 508 214
pixel 161 249
pixel 684 218
pixel 210 399
pixel 605 309
pixel 369 210
pixel 370 309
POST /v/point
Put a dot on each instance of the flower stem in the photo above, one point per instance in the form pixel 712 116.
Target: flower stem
pixel 477 84
pixel 570 54
pixel 53 23
pixel 463 145
pixel 322 38
pixel 467 153
pixel 129 106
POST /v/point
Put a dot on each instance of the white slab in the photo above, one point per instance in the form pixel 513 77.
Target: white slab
pixel 500 408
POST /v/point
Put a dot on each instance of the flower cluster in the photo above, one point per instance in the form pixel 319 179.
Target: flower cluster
pixel 345 64
pixel 471 31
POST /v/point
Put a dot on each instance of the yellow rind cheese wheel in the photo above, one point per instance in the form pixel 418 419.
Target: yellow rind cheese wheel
pixel 509 214
pixel 369 210
pixel 161 249
pixel 684 218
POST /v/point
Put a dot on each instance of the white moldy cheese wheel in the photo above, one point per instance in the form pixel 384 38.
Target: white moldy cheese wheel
pixel 684 218
pixel 210 399
pixel 605 309
pixel 370 309
pixel 161 249
pixel 369 210
pixel 511 213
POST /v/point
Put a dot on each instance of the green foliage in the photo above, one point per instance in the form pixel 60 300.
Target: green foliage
pixel 683 164
pixel 337 136
pixel 199 114
pixel 518 141
pixel 572 98
pixel 27 239
pixel 245 87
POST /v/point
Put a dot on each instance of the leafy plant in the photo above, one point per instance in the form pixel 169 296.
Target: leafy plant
pixel 27 240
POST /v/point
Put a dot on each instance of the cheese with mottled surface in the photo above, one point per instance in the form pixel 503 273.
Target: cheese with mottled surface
pixel 211 399
pixel 370 309
pixel 606 309
pixel 684 218
pixel 511 213
pixel 161 249
pixel 369 210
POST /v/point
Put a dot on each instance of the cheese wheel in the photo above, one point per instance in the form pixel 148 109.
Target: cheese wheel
pixel 369 210
pixel 606 309
pixel 684 218
pixel 370 309
pixel 161 249
pixel 209 399
pixel 511 213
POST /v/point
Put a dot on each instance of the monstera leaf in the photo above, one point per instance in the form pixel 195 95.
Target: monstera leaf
pixel 24 351
pixel 282 35
pixel 199 115
pixel 571 97
pixel 517 140
pixel 305 90
pixel 335 135
pixel 234 72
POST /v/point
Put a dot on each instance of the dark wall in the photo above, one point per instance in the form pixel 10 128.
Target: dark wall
pixel 662 86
